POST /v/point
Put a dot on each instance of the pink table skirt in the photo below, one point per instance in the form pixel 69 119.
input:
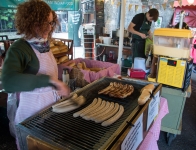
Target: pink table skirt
pixel 90 76
pixel 150 141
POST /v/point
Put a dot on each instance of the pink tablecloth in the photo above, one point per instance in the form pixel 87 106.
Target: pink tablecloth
pixel 150 141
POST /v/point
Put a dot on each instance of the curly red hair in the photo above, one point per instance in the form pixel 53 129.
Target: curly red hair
pixel 31 14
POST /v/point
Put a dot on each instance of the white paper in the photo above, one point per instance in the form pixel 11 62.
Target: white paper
pixel 135 136
pixel 153 109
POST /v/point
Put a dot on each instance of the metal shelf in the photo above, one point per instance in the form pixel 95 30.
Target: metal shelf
pixel 100 44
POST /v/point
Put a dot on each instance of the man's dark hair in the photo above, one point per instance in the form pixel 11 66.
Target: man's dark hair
pixel 154 13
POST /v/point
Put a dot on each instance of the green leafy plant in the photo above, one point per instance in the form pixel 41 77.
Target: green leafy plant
pixel 7 19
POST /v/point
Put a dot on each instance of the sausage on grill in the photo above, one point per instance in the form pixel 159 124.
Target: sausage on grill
pixel 114 118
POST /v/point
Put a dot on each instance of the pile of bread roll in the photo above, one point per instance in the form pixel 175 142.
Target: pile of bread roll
pixel 62 59
pixel 58 47
pixel 82 65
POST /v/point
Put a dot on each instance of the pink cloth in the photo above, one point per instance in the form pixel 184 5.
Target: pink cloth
pixel 91 76
pixel 150 141
pixel 193 51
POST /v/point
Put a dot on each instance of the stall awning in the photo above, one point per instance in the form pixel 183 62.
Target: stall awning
pixel 184 3
pixel 190 17
pixel 54 4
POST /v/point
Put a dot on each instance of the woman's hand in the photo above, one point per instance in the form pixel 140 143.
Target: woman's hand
pixel 62 88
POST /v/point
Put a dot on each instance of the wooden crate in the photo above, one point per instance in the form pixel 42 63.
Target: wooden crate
pixel 69 53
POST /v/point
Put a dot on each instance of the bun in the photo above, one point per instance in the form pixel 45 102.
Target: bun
pixel 96 69
pixel 87 69
pixel 64 50
pixel 149 87
pixel 143 97
pixel 84 65
pixel 58 43
pixel 145 94
pixel 63 59
pixel 79 65
pixel 72 64
pixel 51 44
pixel 62 47
pixel 54 49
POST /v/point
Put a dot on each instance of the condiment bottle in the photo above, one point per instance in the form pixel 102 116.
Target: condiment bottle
pixel 65 76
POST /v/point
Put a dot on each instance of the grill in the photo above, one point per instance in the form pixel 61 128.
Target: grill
pixel 64 131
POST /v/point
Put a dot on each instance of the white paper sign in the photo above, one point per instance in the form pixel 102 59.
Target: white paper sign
pixel 153 109
pixel 135 136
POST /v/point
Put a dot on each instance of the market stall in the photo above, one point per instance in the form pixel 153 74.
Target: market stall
pixel 60 130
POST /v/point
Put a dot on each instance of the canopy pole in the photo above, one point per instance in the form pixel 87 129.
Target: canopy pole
pixel 121 35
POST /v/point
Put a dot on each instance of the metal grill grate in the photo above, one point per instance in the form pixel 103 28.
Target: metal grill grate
pixel 67 132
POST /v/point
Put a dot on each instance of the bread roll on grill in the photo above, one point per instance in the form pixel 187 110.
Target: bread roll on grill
pixel 145 94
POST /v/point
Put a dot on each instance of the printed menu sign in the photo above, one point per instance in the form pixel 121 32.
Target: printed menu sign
pixel 135 136
pixel 153 109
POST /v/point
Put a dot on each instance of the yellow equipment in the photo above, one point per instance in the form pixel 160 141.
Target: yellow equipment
pixel 171 71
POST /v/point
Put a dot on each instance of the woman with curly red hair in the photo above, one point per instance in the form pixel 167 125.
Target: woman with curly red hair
pixel 30 75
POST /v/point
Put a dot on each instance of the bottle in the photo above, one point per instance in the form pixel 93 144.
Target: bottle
pixel 104 57
pixel 148 61
pixel 65 76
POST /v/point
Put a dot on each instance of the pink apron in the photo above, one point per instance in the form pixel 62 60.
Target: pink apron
pixel 34 101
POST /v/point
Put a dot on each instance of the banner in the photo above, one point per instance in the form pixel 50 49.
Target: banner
pixel 136 7
pixel 164 5
pixel 54 4
pixel 130 6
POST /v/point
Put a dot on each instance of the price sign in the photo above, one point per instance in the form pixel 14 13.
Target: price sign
pixel 153 109
pixel 135 136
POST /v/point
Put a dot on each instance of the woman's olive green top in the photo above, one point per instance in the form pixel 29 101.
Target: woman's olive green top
pixel 20 68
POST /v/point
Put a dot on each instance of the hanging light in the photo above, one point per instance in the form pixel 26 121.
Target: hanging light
pixel 190 1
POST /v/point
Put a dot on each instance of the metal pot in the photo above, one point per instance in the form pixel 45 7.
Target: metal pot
pixel 126 33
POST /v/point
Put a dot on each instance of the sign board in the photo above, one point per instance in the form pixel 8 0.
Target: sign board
pixel 54 4
pixel 135 136
pixel 158 23
pixel 177 17
pixel 153 108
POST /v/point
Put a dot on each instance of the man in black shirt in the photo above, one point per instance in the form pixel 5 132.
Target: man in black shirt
pixel 140 29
